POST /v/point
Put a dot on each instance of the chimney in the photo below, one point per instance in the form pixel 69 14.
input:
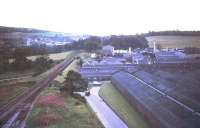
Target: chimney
pixel 154 47
pixel 129 50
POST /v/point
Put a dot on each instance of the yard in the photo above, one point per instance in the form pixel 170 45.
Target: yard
pixel 121 106
pixel 56 110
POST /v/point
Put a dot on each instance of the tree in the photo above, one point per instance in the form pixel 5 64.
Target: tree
pixel 92 46
pixel 38 49
pixel 92 43
pixel 74 82
pixel 89 44
pixel 42 63
pixel 21 62
pixel 6 53
pixel 124 42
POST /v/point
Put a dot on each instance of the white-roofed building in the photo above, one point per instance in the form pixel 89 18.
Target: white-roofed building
pixel 108 50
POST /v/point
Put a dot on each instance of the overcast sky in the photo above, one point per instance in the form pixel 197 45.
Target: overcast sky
pixel 101 17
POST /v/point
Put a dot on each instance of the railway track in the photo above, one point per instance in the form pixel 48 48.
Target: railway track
pixel 13 114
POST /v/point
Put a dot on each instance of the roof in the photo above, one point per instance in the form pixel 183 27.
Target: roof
pixel 108 47
pixel 167 112
pixel 138 56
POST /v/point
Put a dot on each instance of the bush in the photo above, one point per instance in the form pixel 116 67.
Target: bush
pixel 74 82
pixel 79 97
pixel 77 103
pixel 43 63
pixel 50 101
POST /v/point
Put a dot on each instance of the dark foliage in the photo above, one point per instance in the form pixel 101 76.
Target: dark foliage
pixel 124 42
pixel 74 82
pixel 14 58
pixel 42 63
pixel 89 44
pixel 192 50
pixel 12 29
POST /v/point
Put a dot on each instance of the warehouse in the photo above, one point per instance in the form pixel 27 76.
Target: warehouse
pixel 156 107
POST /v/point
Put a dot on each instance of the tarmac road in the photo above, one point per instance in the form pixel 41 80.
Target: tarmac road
pixel 105 114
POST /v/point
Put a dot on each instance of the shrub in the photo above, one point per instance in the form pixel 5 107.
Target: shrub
pixel 51 101
pixel 79 97
pixel 48 119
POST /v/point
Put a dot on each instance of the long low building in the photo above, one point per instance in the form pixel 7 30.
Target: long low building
pixel 104 72
pixel 160 109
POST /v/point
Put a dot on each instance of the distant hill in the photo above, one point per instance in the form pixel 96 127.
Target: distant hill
pixel 12 33
pixel 23 30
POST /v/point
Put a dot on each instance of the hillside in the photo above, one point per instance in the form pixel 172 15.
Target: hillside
pixel 11 33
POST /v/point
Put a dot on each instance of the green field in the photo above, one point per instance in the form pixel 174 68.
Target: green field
pixel 121 106
pixel 54 56
pixel 72 115
pixel 174 41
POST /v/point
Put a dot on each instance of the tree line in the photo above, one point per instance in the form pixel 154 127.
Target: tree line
pixel 94 43
pixel 173 33
pixel 124 42
pixel 14 58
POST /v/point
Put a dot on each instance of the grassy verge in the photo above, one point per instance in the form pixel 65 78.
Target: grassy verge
pixel 54 56
pixel 121 106
pixel 74 114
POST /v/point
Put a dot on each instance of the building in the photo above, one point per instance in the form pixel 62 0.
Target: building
pixel 152 99
pixel 108 50
pixel 140 58
pixel 169 56
pixel 93 55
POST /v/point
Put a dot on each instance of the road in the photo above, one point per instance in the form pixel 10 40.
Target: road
pixel 105 114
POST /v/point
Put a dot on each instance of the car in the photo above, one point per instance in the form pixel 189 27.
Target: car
pixel 87 93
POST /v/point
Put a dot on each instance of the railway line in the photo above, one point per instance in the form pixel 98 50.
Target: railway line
pixel 14 113
pixel 15 76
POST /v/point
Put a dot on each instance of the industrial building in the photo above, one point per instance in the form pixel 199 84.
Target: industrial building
pixel 159 103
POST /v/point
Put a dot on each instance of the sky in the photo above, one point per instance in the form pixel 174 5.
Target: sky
pixel 101 17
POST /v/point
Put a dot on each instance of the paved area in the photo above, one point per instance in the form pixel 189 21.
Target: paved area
pixel 105 114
